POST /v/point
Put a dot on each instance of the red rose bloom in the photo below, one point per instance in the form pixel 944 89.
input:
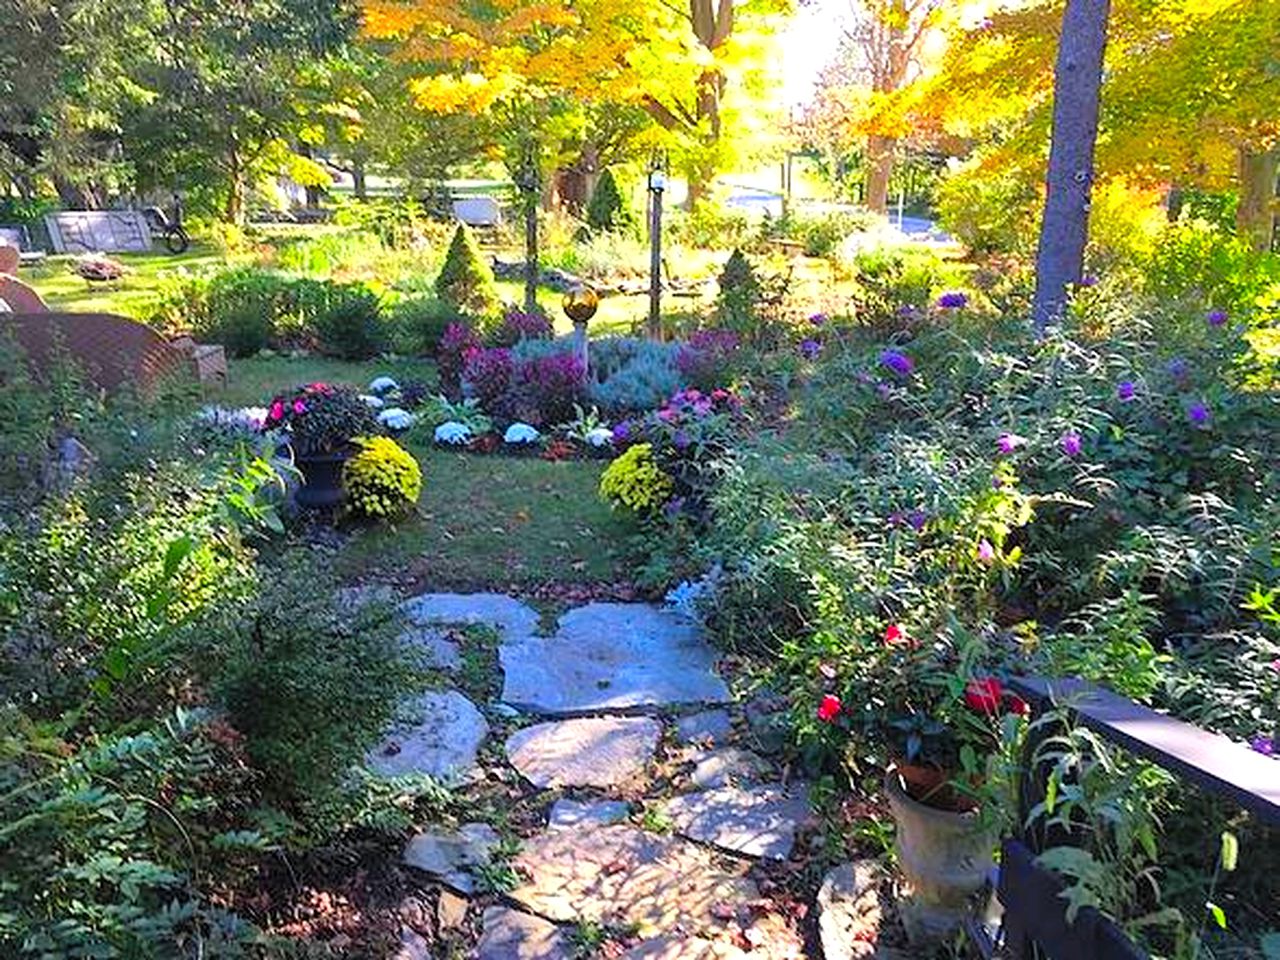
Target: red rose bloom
pixel 983 694
pixel 895 635
pixel 1018 705
pixel 829 708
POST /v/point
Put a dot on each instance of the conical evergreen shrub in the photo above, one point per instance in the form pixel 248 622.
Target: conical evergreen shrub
pixel 466 281
pixel 607 210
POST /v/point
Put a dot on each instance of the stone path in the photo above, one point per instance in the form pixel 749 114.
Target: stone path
pixel 595 708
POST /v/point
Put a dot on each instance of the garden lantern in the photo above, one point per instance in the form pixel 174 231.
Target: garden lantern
pixel 657 184
pixel 580 305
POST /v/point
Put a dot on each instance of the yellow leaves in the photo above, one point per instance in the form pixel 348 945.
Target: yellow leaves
pixel 469 93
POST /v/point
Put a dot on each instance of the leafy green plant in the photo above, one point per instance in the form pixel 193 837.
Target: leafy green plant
pixel 738 302
pixel 607 210
pixel 466 282
pixel 382 480
pixel 349 323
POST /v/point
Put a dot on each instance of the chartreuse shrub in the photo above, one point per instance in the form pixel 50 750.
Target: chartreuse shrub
pixel 382 480
pixel 636 482
pixel 466 282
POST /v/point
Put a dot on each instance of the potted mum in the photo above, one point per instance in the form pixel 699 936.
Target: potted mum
pixel 947 733
pixel 321 422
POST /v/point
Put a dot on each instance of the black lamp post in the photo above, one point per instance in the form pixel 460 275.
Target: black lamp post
pixel 657 184
pixel 528 182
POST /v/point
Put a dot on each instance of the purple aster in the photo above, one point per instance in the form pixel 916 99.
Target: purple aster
pixel 810 348
pixel 1126 390
pixel 897 519
pixel 1009 442
pixel 917 519
pixel 884 391
pixel 1088 280
pixel 1198 413
pixel 1071 443
pixel 1216 318
pixel 898 362
pixel 1263 745
pixel 1178 368
pixel 818 319
pixel 622 432
pixel 953 300
pixel 680 440
pixel 986 552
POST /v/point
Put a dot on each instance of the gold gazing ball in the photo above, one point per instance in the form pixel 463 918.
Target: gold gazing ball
pixel 580 304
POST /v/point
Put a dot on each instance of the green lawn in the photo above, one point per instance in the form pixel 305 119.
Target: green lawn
pixel 253 381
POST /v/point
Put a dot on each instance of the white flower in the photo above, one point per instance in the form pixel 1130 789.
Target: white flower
pixel 600 437
pixel 520 433
pixel 453 432
pixel 242 419
pixel 396 418
pixel 375 402
pixel 382 385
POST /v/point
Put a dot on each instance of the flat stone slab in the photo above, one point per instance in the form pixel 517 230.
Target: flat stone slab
pixel 441 741
pixel 850 912
pixel 591 752
pixel 683 948
pixel 708 727
pixel 727 766
pixel 611 655
pixel 513 618
pixel 621 875
pixel 512 935
pixel 450 857
pixel 438 649
pixel 567 814
pixel 754 821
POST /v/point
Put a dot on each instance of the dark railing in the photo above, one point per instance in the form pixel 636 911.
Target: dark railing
pixel 1034 922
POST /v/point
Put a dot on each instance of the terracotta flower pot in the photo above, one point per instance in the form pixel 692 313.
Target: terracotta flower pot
pixel 322 476
pixel 945 857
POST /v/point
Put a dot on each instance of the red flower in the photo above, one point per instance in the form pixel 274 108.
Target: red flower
pixel 983 694
pixel 895 635
pixel 829 708
pixel 1018 705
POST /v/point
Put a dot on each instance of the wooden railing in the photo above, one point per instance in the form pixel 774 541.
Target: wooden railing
pixel 1034 920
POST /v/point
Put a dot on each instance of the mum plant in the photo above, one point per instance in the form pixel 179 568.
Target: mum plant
pixel 635 482
pixel 382 480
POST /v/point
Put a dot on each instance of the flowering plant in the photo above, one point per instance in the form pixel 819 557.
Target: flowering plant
pixel 635 481
pixel 320 417
pixel 382 480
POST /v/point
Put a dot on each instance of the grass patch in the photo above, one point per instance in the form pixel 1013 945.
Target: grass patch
pixel 132 296
pixel 255 380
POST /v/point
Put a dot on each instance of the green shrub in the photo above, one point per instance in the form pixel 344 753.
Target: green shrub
pixel 607 210
pixel 1193 260
pixel 349 322
pixel 738 302
pixel 989 212
pixel 821 234
pixel 630 374
pixel 420 323
pixel 466 282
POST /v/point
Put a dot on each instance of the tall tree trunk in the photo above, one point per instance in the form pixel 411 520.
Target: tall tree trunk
pixel 879 170
pixel 1076 88
pixel 359 186
pixel 575 182
pixel 1259 204
pixel 234 210
pixel 530 202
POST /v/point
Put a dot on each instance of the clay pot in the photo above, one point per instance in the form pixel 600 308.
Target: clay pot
pixel 945 857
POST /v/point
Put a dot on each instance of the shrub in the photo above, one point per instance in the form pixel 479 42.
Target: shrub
pixel 246 311
pixel 487 376
pixel 382 480
pixel 466 282
pixel 456 344
pixel 989 212
pixel 1192 260
pixel 350 323
pixel 636 482
pixel 552 386
pixel 738 302
pixel 632 374
pixel 607 210
pixel 703 360
pixel 321 418
pixel 518 325
pixel 420 323
pixel 711 227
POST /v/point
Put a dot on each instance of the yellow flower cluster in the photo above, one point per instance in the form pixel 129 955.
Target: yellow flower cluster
pixel 382 480
pixel 635 481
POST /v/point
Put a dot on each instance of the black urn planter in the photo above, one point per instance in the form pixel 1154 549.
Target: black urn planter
pixel 322 479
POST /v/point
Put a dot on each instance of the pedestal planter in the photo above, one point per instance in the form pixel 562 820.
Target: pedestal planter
pixel 945 858
pixel 322 473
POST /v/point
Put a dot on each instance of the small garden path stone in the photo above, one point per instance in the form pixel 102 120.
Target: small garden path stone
pixel 591 752
pixel 726 766
pixel 683 948
pixel 512 935
pixel 850 912
pixel 513 618
pixel 439 649
pixel 607 656
pixel 711 727
pixel 756 821
pixel 571 814
pixel 441 742
pixel 450 857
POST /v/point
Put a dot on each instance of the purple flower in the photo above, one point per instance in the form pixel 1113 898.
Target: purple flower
pixel 810 348
pixel 898 362
pixel 1009 442
pixel 1088 280
pixel 1198 413
pixel 1216 318
pixel 884 391
pixel 1263 745
pixel 1071 443
pixel 1126 390
pixel 680 440
pixel 953 300
pixel 917 519
pixel 1178 368
pixel 897 519
pixel 819 319
pixel 986 552
pixel 673 507
pixel 622 432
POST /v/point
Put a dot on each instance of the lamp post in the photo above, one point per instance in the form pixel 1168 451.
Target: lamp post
pixel 527 181
pixel 657 184
pixel 580 305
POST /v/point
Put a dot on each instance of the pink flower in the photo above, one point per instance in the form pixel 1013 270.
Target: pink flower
pixel 1018 705
pixel 1010 442
pixel 894 635
pixel 986 552
pixel 299 407
pixel 983 694
pixel 277 411
pixel 829 708
pixel 1071 443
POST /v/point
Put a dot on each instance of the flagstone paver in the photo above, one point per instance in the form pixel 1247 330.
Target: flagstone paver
pixel 438 648
pixel 513 618
pixel 451 857
pixel 590 752
pixel 512 935
pixel 725 766
pixel 758 821
pixel 683 948
pixel 706 727
pixel 607 656
pixel 598 813
pixel 621 875
pixel 440 740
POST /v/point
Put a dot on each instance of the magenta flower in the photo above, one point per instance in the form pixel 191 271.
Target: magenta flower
pixel 986 552
pixel 1126 390
pixel 1009 442
pixel 1216 318
pixel 818 319
pixel 1071 443
pixel 1263 745
pixel 898 362
pixel 1198 413
pixel 299 407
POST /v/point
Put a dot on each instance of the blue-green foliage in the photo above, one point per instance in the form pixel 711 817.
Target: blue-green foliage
pixel 630 374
